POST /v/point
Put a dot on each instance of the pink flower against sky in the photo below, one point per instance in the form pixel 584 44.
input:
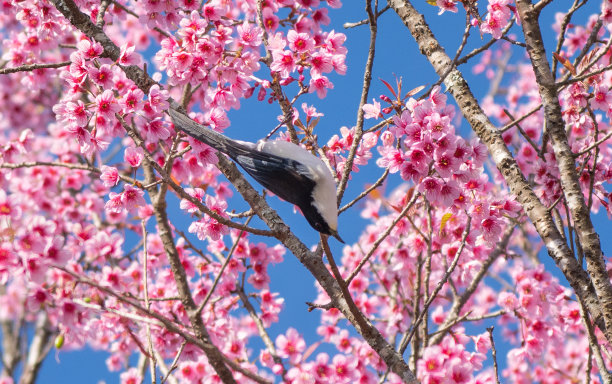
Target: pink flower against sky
pixel 291 345
pixel 372 111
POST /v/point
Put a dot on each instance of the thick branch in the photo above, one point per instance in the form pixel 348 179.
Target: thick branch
pixel 317 268
pixel 83 23
pixel 589 239
pixel 180 277
pixel 488 133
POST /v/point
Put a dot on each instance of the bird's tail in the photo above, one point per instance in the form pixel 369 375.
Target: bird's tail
pixel 206 135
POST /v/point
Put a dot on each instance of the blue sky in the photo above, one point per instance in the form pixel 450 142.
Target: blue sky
pixel 397 54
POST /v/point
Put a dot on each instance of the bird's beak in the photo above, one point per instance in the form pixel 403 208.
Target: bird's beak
pixel 335 234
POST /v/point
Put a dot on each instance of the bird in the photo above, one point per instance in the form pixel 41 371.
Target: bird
pixel 285 169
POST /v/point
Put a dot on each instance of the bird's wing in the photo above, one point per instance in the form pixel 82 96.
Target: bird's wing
pixel 285 178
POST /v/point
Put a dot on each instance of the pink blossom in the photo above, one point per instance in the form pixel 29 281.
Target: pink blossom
pixel 106 104
pixel 290 345
pixel 283 62
pixel 102 76
pixel 446 5
pixel 372 111
pixel 217 119
pixel 445 163
pixel 431 187
pixel 155 130
pixel 483 342
pixel 432 362
pixel 270 20
pixel 491 229
pixel 322 369
pixel 133 156
pixel 197 193
pixel 507 300
pixel 128 56
pixel 132 197
pixel 602 98
pixel 299 42
pixel 114 204
pixel 458 372
pixel 299 375
pixel 90 50
pixel 493 24
pixel 334 42
pixel 109 176
pixel 320 84
pixel 320 63
pixel 77 113
pixel 392 159
pixel 250 35
pixel 132 100
pixel 131 376
pixel 320 16
pixel 344 368
pixel 8 206
pixel 310 111
pixel 342 341
pixel 449 192
pixel 158 99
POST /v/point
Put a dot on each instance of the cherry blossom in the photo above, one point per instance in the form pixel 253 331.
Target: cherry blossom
pixel 123 234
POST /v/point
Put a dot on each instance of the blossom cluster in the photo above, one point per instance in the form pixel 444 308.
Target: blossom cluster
pixel 80 240
pixel 422 146
pixel 499 13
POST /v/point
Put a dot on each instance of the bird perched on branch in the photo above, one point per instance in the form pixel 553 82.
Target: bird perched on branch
pixel 287 170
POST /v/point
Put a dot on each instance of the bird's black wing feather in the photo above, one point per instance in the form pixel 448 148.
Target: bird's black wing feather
pixel 285 178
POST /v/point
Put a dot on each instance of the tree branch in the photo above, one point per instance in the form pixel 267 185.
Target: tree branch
pixel 31 67
pixel 507 165
pixel 588 237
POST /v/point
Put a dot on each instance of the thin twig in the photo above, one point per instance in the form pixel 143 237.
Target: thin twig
pixel 359 317
pixel 520 119
pixel 380 239
pixel 525 135
pixel 366 192
pixel 408 336
pixel 31 67
pixel 594 344
pixel 145 284
pixel 562 30
pixel 494 352
pixel 578 78
pixel 225 264
pixel 595 144
pixel 486 46
pixel 263 333
pixel 365 21
pixel 174 364
pixel 367 80
pixel 162 321
pixel 101 11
